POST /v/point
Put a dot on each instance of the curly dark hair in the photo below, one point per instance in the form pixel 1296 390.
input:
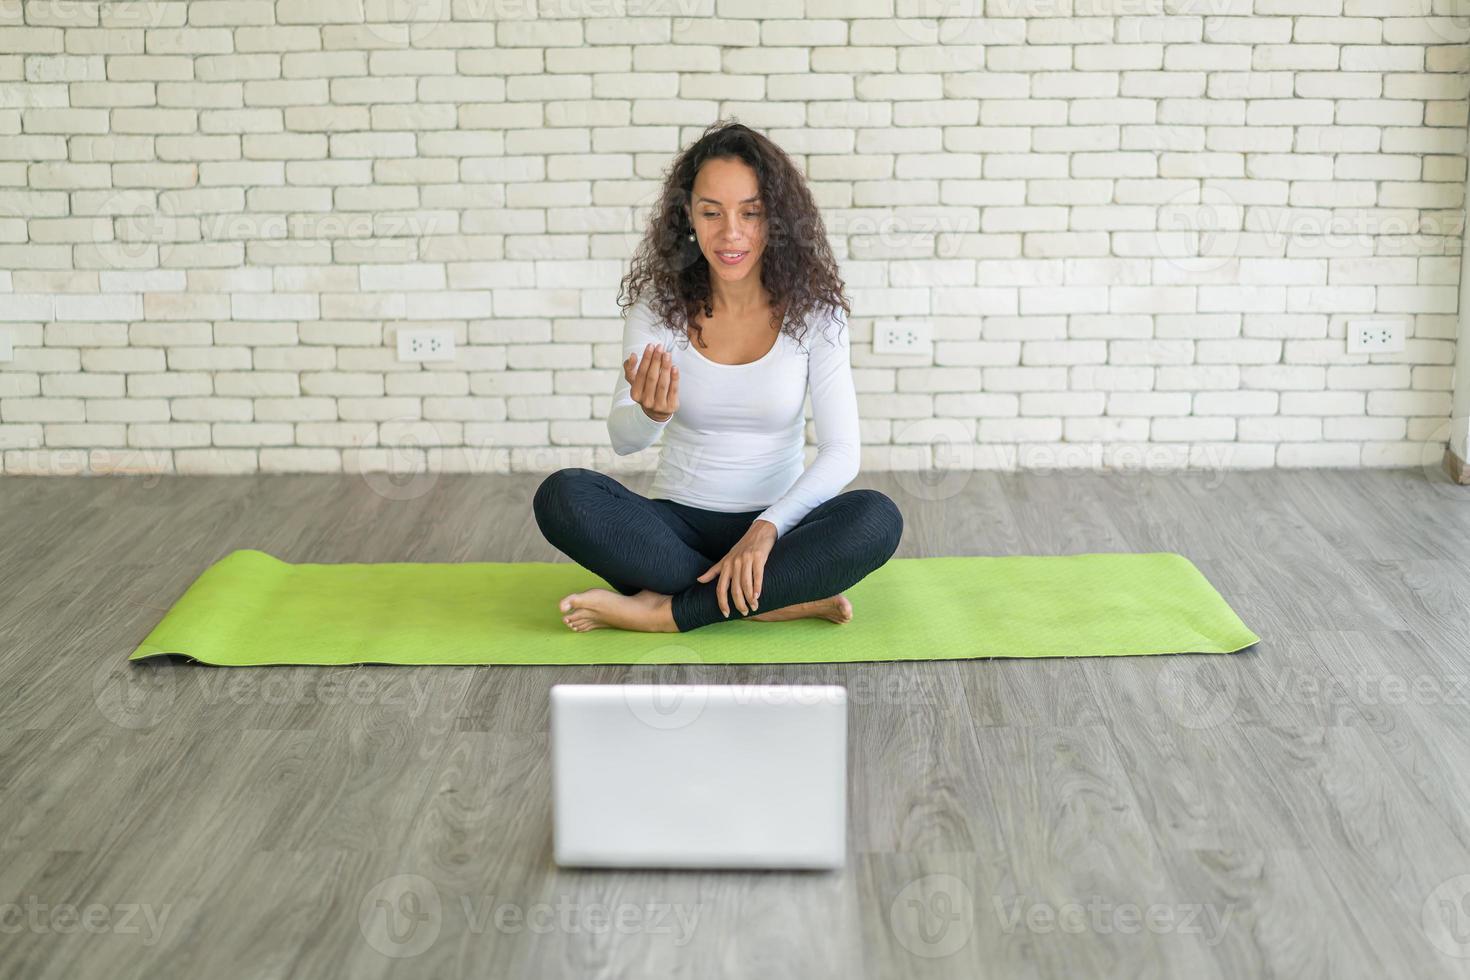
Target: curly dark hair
pixel 797 269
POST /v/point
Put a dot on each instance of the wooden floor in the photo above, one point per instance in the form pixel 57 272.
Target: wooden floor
pixel 1299 810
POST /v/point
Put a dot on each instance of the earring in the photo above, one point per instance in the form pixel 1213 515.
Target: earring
pixel 691 236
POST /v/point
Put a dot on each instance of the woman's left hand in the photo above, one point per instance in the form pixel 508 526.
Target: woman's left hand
pixel 743 569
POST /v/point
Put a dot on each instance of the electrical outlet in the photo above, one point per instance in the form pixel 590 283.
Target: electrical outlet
pixel 7 345
pixel 901 337
pixel 426 345
pixel 1375 336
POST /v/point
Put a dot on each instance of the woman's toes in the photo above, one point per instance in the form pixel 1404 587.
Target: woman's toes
pixel 844 608
pixel 599 608
pixel 583 619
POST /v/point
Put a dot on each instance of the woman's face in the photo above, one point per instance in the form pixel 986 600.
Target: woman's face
pixel 728 217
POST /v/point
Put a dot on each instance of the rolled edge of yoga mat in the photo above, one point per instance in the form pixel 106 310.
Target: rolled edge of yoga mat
pixel 252 609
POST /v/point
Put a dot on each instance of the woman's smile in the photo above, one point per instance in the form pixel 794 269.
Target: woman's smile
pixel 732 258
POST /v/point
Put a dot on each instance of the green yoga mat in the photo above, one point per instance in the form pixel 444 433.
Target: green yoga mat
pixel 251 609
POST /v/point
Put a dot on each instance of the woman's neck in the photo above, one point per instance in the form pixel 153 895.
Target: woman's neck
pixel 737 299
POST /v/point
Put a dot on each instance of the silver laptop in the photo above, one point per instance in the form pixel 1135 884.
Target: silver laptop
pixel 699 776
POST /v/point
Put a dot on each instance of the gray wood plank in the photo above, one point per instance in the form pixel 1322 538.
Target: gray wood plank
pixel 1302 817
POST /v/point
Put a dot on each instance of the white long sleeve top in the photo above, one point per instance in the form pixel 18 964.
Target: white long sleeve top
pixel 737 440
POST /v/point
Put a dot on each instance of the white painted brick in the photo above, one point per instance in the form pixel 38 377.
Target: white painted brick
pixel 127 409
pixel 401 277
pixel 293 410
pixel 252 434
pixel 168 435
pixel 99 306
pixel 1008 180
pixel 1324 454
pixel 170 384
pixel 1191 429
pixel 377 409
pixel 288 460
pixel 1346 429
pixel 1436 403
pixel 184 306
pixel 246 306
pixel 43 409
pixel 1323 403
pixel 506 433
pixel 215 461
pixel 208 358
pixel 1020 430
pixel 63 435
pixel 539 33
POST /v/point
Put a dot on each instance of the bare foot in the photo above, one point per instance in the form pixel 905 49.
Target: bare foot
pixel 646 612
pixel 835 609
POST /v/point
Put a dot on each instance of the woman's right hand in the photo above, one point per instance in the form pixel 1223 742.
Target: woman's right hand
pixel 654 379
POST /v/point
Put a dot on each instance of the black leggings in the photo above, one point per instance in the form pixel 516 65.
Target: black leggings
pixel 637 543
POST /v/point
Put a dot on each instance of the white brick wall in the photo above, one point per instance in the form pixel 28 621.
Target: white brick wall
pixel 1137 240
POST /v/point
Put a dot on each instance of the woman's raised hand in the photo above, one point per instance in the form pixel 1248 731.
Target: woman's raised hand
pixel 654 380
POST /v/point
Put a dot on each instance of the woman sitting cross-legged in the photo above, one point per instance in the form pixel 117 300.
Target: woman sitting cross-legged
pixel 735 312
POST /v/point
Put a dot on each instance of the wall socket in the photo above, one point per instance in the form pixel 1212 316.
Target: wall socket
pixel 901 337
pixel 1375 336
pixel 426 345
pixel 7 345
